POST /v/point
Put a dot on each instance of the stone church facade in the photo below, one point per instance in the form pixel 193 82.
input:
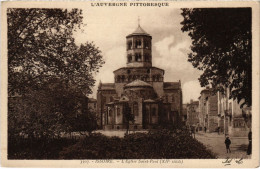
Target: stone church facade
pixel 140 88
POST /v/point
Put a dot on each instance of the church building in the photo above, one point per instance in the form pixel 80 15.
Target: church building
pixel 139 88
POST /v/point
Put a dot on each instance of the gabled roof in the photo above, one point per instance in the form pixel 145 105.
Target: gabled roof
pixel 138 83
pixel 139 31
pixel 106 86
pixel 124 99
pixel 171 85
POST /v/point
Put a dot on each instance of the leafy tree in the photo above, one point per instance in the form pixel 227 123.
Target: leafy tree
pixel 41 45
pixel 49 71
pixel 222 48
pixel 85 122
pixel 46 112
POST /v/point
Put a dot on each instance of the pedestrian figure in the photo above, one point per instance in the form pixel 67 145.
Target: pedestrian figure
pixel 218 130
pixel 249 149
pixel 193 130
pixel 228 142
pixel 205 129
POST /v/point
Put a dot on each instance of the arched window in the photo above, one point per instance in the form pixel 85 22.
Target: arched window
pixel 138 44
pixel 110 113
pixel 147 78
pixel 146 44
pixel 147 57
pixel 153 111
pixel 154 78
pixel 118 78
pixel 173 100
pixel 129 78
pixel 118 111
pixel 129 58
pixel 135 109
pixel 166 98
pixel 123 78
pixel 129 45
pixel 138 57
pixel 158 78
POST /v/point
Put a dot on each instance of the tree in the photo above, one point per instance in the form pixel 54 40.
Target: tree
pixel 49 71
pixel 84 121
pixel 222 48
pixel 46 112
pixel 41 46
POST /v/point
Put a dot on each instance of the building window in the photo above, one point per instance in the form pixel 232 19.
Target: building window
pixel 110 113
pixel 146 45
pixel 123 78
pixel 135 108
pixel 138 44
pixel 158 78
pixel 154 78
pixel 154 111
pixel 173 100
pixel 147 57
pixel 128 71
pixel 166 98
pixel 138 57
pixel 118 78
pixel 118 111
pixel 129 78
pixel 111 99
pixel 129 58
pixel 146 78
pixel 129 45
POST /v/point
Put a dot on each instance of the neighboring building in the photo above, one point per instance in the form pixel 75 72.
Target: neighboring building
pixel 208 110
pixel 184 113
pixel 141 87
pixel 203 120
pixel 193 113
pixel 218 111
pixel 212 113
pixel 237 120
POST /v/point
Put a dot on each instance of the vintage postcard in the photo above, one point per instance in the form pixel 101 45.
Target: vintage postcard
pixel 165 84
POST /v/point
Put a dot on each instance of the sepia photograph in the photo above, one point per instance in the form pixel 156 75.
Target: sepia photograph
pixel 153 83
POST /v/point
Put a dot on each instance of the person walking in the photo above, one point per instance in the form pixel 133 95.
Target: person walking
pixel 218 130
pixel 249 149
pixel 228 142
pixel 205 129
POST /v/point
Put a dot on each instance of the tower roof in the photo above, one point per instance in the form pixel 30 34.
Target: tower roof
pixel 139 31
pixel 138 83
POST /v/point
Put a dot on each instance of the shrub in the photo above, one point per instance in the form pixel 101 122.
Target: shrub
pixel 177 144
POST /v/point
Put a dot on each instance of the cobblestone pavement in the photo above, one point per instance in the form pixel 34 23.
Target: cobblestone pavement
pixel 216 144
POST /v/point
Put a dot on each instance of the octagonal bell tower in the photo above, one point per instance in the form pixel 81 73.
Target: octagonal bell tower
pixel 139 48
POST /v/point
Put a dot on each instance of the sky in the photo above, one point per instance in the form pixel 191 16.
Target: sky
pixel 108 29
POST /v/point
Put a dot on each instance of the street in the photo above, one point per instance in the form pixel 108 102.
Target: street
pixel 216 144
